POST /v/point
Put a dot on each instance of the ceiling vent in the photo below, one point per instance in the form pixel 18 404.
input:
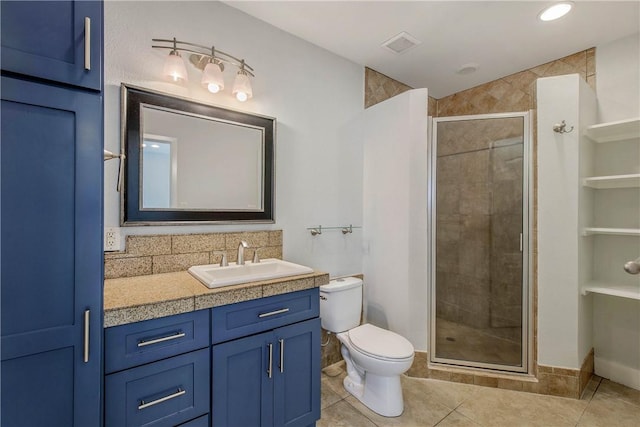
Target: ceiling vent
pixel 401 43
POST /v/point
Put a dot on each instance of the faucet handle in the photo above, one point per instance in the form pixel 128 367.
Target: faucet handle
pixel 256 258
pixel 223 262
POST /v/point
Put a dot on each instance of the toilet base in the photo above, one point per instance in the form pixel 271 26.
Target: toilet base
pixel 383 395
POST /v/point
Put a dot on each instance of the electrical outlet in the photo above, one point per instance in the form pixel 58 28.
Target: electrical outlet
pixel 112 239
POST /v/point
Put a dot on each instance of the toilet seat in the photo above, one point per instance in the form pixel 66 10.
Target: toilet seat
pixel 380 343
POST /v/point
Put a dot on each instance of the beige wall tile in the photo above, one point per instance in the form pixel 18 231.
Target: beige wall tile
pixel 329 353
pixel 275 238
pixel 420 366
pixel 485 381
pixel 189 243
pixel 440 374
pixel 378 87
pixel 127 267
pixel 179 262
pixel 185 250
pixel 508 384
pixel 560 385
pixel 462 378
pixel 148 245
pixel 255 239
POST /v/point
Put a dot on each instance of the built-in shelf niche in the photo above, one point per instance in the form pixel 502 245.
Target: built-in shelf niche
pixel 617 168
pixel 604 288
pixel 613 181
pixel 588 231
pixel 614 131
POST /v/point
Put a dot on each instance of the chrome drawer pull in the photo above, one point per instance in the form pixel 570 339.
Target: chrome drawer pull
pixel 87 314
pixel 163 339
pixel 273 313
pixel 144 405
pixel 269 368
pixel 281 355
pixel 87 43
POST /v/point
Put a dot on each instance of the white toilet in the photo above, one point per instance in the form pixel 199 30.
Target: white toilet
pixel 375 357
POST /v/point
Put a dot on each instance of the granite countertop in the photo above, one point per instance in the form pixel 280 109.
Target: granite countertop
pixel 133 299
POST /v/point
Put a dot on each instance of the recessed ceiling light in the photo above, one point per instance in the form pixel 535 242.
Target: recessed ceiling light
pixel 469 68
pixel 555 11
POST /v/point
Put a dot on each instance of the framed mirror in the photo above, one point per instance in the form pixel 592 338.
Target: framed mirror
pixel 189 162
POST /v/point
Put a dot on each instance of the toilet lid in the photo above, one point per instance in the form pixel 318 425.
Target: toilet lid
pixel 379 342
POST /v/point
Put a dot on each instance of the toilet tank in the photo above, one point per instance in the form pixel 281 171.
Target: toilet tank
pixel 341 304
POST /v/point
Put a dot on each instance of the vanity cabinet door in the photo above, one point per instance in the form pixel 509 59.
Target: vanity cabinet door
pixel 54 40
pixel 297 378
pixel 270 379
pixel 52 260
pixel 242 392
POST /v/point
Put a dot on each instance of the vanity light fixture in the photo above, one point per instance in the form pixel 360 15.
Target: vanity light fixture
pixel 555 11
pixel 211 61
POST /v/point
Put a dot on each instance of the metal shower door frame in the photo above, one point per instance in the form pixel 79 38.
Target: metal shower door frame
pixel 527 246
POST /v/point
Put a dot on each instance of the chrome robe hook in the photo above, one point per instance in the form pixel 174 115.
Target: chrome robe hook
pixel 561 128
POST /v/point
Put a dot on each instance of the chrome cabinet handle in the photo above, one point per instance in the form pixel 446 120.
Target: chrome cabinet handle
pixel 87 315
pixel 273 313
pixel 87 43
pixel 269 368
pixel 143 343
pixel 144 404
pixel 281 355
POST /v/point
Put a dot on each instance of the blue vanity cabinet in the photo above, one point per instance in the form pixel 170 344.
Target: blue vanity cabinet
pixel 56 40
pixel 158 372
pixel 272 377
pixel 51 302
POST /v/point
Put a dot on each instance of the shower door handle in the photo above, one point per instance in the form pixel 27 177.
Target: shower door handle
pixel 521 242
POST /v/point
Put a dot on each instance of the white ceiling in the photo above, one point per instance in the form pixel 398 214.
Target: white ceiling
pixel 502 37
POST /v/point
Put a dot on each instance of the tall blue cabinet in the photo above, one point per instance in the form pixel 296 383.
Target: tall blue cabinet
pixel 51 171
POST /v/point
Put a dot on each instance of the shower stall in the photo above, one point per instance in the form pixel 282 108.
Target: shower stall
pixel 480 241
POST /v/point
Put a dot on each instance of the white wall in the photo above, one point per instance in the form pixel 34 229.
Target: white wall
pixel 563 319
pixel 618 79
pixel 316 97
pixel 395 198
pixel 616 321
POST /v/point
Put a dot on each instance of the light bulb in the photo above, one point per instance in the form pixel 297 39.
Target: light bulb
pixel 242 86
pixel 212 77
pixel 174 67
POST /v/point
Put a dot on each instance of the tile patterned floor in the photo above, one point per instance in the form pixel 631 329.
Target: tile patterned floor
pixel 445 404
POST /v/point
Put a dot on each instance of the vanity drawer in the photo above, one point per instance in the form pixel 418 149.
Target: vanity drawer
pixel 250 317
pixel 164 393
pixel 202 421
pixel 150 340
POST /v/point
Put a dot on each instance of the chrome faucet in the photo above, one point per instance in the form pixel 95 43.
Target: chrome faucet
pixel 241 247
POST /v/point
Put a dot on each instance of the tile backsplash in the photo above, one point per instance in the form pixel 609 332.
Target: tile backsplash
pixel 152 254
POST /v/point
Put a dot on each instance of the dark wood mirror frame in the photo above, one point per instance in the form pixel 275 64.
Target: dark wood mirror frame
pixel 133 98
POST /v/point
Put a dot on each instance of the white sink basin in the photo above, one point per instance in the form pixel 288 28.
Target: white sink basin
pixel 214 276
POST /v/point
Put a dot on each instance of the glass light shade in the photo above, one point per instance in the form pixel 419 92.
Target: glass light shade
pixel 242 87
pixel 212 78
pixel 174 67
pixel 556 11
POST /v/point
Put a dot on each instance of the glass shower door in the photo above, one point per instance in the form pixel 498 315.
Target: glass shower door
pixel 480 239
